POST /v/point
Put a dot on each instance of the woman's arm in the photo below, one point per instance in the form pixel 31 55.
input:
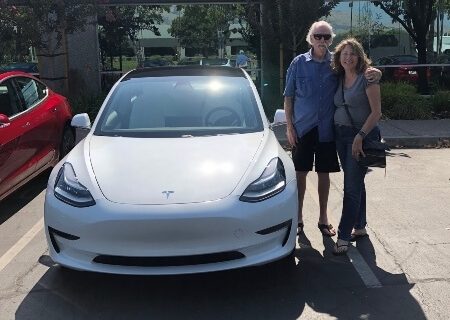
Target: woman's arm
pixel 374 96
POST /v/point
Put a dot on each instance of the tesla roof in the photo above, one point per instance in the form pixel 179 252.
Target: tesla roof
pixel 180 71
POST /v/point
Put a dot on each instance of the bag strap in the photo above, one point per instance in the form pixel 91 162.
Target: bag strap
pixel 345 105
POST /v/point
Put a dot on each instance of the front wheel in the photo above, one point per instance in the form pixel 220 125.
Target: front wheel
pixel 67 142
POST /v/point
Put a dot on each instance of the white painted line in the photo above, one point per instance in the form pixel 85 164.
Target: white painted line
pixel 358 262
pixel 366 274
pixel 19 245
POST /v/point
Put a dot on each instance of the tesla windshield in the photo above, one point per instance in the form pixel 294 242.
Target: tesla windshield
pixel 180 106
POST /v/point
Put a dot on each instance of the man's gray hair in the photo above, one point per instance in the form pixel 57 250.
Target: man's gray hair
pixel 316 25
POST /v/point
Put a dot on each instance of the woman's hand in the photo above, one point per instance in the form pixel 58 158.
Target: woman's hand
pixel 357 149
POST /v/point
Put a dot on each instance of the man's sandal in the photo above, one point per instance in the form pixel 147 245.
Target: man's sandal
pixel 300 228
pixel 326 230
pixel 341 247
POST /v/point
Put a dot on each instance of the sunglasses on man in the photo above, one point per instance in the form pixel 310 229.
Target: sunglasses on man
pixel 319 36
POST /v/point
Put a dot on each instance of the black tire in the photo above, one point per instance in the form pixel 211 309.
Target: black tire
pixel 67 142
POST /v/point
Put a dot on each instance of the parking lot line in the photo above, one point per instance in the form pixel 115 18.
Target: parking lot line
pixel 358 262
pixel 19 245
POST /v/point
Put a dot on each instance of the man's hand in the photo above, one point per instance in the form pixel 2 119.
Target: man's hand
pixel 373 74
pixel 291 135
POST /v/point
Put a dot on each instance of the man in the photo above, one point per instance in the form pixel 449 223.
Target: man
pixel 309 107
pixel 242 60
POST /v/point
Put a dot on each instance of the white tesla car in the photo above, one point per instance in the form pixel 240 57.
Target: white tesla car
pixel 180 173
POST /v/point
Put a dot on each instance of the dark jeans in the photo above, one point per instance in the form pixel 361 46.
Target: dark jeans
pixel 354 205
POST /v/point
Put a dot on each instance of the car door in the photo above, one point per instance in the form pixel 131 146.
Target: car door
pixel 40 139
pixel 13 165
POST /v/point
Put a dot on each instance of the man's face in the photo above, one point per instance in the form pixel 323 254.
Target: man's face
pixel 321 38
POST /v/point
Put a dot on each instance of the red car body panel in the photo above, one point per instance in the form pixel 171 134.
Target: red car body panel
pixel 30 142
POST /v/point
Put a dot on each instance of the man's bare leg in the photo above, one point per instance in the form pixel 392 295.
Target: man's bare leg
pixel 301 186
pixel 324 190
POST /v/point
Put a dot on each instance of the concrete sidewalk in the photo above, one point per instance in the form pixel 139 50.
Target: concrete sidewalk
pixel 403 133
pixel 416 133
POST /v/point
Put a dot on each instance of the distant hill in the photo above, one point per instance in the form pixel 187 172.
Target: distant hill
pixel 340 16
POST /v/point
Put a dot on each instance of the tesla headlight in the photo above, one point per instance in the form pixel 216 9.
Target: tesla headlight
pixel 69 190
pixel 271 182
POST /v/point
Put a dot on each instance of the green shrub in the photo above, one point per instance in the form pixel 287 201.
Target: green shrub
pixel 89 104
pixel 410 107
pixel 401 101
pixel 440 102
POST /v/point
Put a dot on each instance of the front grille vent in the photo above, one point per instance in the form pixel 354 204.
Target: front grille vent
pixel 169 261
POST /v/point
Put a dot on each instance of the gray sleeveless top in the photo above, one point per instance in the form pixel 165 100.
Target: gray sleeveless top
pixel 357 101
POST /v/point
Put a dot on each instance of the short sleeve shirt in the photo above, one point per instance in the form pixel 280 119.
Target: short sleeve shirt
pixel 357 101
pixel 312 84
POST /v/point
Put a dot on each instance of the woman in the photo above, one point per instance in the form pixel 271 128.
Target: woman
pixel 353 124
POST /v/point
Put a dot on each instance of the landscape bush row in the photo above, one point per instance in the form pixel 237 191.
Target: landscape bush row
pixel 400 101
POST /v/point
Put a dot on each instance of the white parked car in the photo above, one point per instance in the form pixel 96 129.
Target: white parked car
pixel 180 173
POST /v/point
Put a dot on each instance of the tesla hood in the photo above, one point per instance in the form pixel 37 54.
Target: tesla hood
pixel 171 170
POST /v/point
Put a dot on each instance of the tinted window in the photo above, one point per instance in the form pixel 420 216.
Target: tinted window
pixel 30 91
pixel 9 103
pixel 176 106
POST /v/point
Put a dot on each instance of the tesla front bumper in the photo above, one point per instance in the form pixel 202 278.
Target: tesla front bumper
pixel 171 239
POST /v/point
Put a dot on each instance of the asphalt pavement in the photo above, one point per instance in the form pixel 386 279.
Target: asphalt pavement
pixel 403 133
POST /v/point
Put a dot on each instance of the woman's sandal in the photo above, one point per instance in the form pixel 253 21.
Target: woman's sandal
pixel 356 237
pixel 341 248
pixel 326 227
pixel 300 228
pixel 358 234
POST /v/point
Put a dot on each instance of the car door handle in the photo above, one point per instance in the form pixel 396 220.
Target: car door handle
pixel 26 125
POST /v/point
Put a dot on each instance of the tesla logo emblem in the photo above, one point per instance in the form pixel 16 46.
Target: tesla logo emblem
pixel 168 193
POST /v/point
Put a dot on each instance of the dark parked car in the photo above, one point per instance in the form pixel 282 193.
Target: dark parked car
pixel 35 129
pixel 403 68
pixel 155 63
pixel 216 62
pixel 29 67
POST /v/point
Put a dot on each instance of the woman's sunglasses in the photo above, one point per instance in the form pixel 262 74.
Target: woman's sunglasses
pixel 319 36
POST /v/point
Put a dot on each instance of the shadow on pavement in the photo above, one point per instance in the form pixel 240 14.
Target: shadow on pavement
pixel 21 197
pixel 282 290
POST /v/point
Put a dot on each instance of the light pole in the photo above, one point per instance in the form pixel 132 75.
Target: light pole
pixel 221 40
pixel 351 17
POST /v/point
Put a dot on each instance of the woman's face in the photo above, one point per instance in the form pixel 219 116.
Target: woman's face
pixel 349 59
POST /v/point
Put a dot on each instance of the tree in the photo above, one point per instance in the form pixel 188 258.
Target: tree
pixel 14 43
pixel 203 26
pixel 283 25
pixel 415 16
pixel 120 25
pixel 45 24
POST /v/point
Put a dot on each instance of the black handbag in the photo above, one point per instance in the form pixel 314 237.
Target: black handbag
pixel 374 150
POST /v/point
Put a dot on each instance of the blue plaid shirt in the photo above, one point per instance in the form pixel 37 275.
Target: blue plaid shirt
pixel 312 85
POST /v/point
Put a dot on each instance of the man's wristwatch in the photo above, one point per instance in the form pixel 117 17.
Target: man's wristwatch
pixel 362 134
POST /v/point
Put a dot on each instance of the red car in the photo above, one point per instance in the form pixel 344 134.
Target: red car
pixel 404 70
pixel 35 129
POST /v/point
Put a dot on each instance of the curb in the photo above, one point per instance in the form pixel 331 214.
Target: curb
pixel 417 142
pixel 393 142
